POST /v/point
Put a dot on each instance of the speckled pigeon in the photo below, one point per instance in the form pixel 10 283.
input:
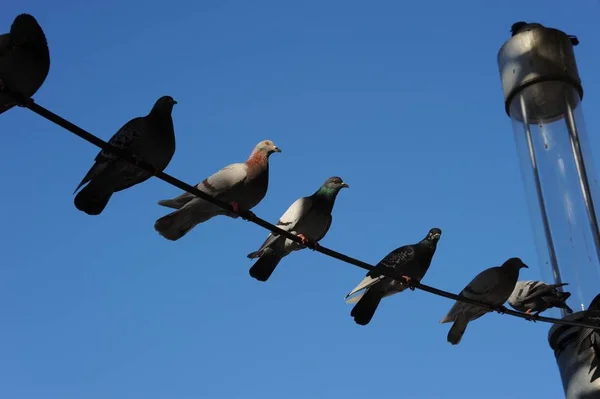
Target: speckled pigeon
pixel 24 59
pixel 411 261
pixel 589 339
pixel 492 286
pixel 536 296
pixel 243 185
pixel 150 139
pixel 308 217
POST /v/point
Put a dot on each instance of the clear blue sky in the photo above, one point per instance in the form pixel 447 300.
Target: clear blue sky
pixel 402 100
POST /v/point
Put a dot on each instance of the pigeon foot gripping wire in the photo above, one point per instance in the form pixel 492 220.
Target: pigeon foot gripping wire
pixel 308 243
pixel 532 316
pixel 409 282
pixel 303 239
pixel 501 309
pixel 245 214
pixel 30 104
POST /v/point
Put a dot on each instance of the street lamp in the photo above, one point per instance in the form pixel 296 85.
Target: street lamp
pixel 543 93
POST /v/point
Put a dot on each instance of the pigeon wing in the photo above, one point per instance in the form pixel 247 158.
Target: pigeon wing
pixel 478 289
pixel 124 139
pixel 396 258
pixel 289 220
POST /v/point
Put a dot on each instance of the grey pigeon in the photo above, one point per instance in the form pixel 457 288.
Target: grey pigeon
pixel 536 296
pixel 24 59
pixel 411 261
pixel 492 286
pixel 308 217
pixel 523 26
pixel 590 339
pixel 150 139
pixel 243 185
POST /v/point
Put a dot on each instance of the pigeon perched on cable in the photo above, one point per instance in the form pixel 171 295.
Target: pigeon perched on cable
pixel 149 139
pixel 492 286
pixel 308 217
pixel 243 185
pixel 536 296
pixel 522 26
pixel 410 261
pixel 24 60
pixel 589 338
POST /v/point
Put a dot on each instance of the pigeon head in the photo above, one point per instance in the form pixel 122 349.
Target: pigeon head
pixel 523 26
pixel 267 147
pixel 515 263
pixel 516 27
pixel 331 188
pixel 434 234
pixel 164 105
pixel 26 30
pixel 335 183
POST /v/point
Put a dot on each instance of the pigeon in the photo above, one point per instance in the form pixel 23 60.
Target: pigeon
pixel 537 296
pixel 150 139
pixel 492 286
pixel 411 261
pixel 589 338
pixel 523 26
pixel 24 59
pixel 243 185
pixel 308 217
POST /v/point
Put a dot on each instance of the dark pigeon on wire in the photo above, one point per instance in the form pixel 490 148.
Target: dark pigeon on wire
pixel 522 26
pixel 150 139
pixel 492 286
pixel 411 261
pixel 536 296
pixel 308 217
pixel 243 185
pixel 24 59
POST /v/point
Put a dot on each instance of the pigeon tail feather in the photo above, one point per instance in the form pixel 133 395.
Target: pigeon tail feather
pixel 365 309
pixel 355 298
pixel 458 329
pixel 364 284
pixel 178 223
pixel 170 203
pixel 559 301
pixel 265 265
pixel 94 197
pixel 174 225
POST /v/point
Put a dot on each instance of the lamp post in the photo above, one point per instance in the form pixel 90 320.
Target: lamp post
pixel 543 94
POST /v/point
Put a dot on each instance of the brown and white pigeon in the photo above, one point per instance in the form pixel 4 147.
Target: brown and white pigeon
pixel 492 286
pixel 24 59
pixel 150 139
pixel 536 296
pixel 243 185
pixel 411 261
pixel 308 217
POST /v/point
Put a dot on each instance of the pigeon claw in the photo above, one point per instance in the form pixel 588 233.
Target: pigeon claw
pixel 236 207
pixel 501 309
pixel 409 282
pixel 303 239
pixel 530 316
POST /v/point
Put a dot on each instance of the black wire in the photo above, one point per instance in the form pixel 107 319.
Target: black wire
pixel 250 216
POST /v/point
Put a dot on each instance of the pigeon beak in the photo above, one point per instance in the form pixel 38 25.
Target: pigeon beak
pixel 276 149
pixel 174 102
pixel 344 185
pixel 525 266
